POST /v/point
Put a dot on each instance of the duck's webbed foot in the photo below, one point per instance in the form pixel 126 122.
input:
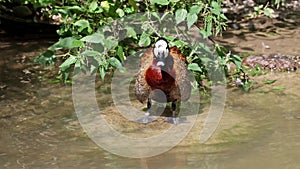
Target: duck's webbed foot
pixel 146 119
pixel 174 119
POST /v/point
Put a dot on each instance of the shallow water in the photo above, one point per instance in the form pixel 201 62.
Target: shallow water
pixel 39 127
pixel 258 130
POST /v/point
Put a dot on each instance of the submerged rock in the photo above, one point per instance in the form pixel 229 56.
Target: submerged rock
pixel 277 62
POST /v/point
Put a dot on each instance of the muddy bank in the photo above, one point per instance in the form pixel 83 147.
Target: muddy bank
pixel 270 36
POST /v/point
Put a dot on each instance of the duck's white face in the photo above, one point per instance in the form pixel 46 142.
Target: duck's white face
pixel 161 52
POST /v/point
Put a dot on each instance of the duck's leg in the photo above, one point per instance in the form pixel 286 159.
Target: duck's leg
pixel 174 119
pixel 147 118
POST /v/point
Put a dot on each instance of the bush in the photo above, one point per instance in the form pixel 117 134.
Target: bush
pixel 85 47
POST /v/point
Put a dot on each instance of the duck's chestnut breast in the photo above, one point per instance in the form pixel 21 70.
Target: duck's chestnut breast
pixel 159 78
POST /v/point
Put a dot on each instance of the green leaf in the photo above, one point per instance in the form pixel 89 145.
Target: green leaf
pixel 174 1
pixel 237 60
pixel 247 86
pixel 266 81
pixel 115 62
pixel 223 17
pixel 194 67
pixel 99 10
pixel 204 33
pixel 160 2
pixel 67 63
pixel 120 53
pixel 279 88
pixel 83 24
pixel 110 43
pixel 75 8
pixel 104 4
pixel 178 43
pixel 180 15
pixel 77 67
pixel 133 3
pixel 206 59
pixel 129 10
pixel 64 43
pixel 78 43
pixel 65 75
pixel 91 53
pixel 195 9
pixel 209 25
pixel 93 68
pixel 191 19
pixel 169 38
pixel 216 8
pixel 130 32
pixel 120 12
pixel 94 38
pixel 166 16
pixel 144 40
pixel 269 12
pixel 47 58
pixel 93 6
pixel 156 15
pixel 102 72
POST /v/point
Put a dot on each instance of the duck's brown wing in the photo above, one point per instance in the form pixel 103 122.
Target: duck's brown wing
pixel 142 89
pixel 182 90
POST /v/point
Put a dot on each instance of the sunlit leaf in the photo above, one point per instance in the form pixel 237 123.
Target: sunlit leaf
pixel 120 12
pixel 194 67
pixel 178 43
pixel 216 8
pixel 83 24
pixel 93 6
pixel 174 1
pixel 191 19
pixel 114 62
pixel 120 53
pixel 64 43
pixel 195 9
pixel 78 43
pixel 102 72
pixel 93 68
pixel 130 32
pixel 269 12
pixel 110 43
pixel 156 15
pixel 67 63
pixel 75 8
pixel 145 40
pixel 180 15
pixel 209 26
pixel 104 4
pixel 94 38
